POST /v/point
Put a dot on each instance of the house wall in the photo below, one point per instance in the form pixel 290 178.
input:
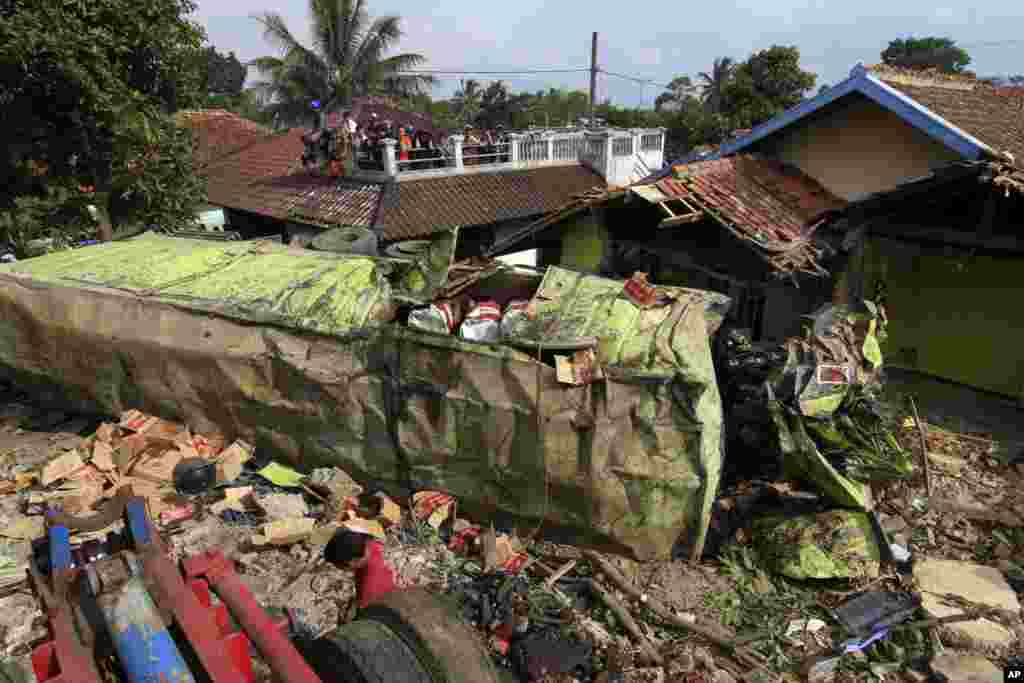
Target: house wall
pixel 857 149
pixel 952 314
pixel 585 243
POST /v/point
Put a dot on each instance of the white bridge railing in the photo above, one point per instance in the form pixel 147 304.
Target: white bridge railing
pixel 615 154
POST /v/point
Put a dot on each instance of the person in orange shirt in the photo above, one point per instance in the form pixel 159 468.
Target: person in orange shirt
pixel 404 144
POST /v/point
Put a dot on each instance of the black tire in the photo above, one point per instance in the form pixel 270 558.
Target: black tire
pixel 347 241
pixel 409 249
pixel 432 625
pixel 363 652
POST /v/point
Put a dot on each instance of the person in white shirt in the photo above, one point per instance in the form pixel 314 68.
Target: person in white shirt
pixel 348 122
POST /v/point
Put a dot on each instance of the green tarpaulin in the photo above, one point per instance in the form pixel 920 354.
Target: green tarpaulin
pixel 295 351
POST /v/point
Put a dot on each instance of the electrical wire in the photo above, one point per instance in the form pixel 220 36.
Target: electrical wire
pixel 492 73
pixel 644 81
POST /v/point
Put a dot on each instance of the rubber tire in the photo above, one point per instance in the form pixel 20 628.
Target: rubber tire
pixel 346 241
pixel 364 652
pixel 433 626
pixel 409 249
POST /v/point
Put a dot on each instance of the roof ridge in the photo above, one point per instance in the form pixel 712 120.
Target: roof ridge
pixel 927 78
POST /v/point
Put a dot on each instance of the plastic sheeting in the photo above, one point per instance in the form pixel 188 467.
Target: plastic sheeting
pixel 292 350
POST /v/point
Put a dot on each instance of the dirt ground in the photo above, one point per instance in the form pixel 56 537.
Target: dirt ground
pixel 728 593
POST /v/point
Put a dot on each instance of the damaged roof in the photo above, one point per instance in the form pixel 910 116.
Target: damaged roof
pixel 267 178
pixel 217 133
pixel 764 202
pixel 415 208
pixel 993 114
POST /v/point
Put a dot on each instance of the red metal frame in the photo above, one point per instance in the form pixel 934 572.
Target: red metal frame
pixel 279 653
pixel 64 659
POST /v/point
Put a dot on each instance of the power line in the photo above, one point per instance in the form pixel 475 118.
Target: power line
pixel 635 79
pixel 492 73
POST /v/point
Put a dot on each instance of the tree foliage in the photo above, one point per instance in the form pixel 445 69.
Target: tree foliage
pixel 247 104
pixel 225 75
pixel 675 97
pixel 88 89
pixel 766 84
pixel 348 59
pixel 926 53
pixel 467 100
pixel 714 83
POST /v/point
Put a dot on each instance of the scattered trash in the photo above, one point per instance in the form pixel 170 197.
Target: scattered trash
pixel 231 461
pixel 192 476
pixel 285 532
pixel 433 507
pixel 899 553
pixel 798 627
pixel 61 468
pixel 237 499
pixel 282 476
pixel 279 506
pixel 482 323
pixel 875 610
pixel 390 513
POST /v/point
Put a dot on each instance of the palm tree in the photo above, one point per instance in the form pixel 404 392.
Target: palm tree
pixel 714 83
pixel 468 100
pixel 347 60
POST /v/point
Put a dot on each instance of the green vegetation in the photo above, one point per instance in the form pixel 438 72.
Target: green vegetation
pixel 88 90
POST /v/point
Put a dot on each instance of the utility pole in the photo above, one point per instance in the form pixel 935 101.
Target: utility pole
pixel 593 78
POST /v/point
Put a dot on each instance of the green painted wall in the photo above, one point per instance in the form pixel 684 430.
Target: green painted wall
pixel 584 244
pixel 951 315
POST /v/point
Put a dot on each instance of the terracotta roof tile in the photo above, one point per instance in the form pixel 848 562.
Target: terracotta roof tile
pixel 217 133
pixel 415 208
pixel 259 178
pixel 992 114
pixel 756 195
pixel 267 178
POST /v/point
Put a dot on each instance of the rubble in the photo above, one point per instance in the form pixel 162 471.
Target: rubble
pixel 966 668
pixel 975 584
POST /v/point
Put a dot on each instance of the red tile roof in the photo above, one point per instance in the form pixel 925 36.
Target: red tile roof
pixel 259 178
pixel 415 208
pixel 992 114
pixel 762 201
pixel 266 178
pixel 216 133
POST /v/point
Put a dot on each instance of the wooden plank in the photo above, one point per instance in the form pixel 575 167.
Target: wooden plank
pixel 685 219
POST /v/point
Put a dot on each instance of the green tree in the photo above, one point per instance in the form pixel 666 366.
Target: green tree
pixel 679 90
pixel 88 92
pixel 715 82
pixel 766 84
pixel 246 104
pixel 467 100
pixel 348 59
pixel 926 53
pixel 225 75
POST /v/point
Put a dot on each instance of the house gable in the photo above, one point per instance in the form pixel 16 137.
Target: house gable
pixel 861 81
pixel 856 146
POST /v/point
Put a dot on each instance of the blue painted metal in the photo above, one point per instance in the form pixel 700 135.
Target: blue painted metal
pixel 60 548
pixel 135 512
pixel 145 648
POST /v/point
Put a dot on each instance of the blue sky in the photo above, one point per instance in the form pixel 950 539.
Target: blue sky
pixel 655 40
